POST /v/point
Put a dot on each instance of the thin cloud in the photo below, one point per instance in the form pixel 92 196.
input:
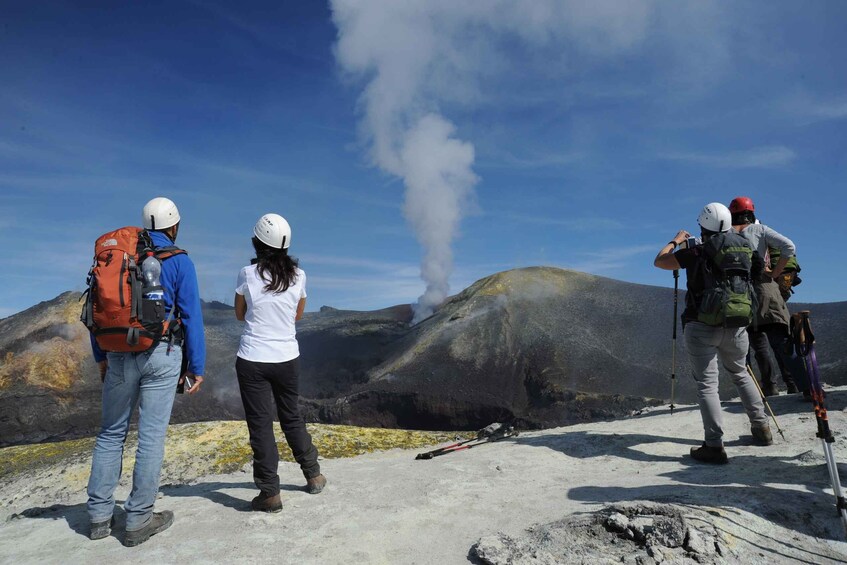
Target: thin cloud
pixel 611 259
pixel 574 224
pixel 538 161
pixel 808 109
pixel 768 157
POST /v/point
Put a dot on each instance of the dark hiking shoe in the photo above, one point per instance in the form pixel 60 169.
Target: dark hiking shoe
pixel 267 503
pixel 791 388
pixel 762 435
pixel 315 484
pixel 100 530
pixel 707 454
pixel 160 522
pixel 769 389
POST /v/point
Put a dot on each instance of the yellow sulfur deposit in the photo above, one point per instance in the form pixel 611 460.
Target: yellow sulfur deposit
pixel 204 448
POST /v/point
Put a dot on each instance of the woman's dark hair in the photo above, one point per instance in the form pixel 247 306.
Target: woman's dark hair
pixel 275 266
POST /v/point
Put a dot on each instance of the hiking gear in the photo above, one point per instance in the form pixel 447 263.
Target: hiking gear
pixel 791 388
pixel 673 339
pixel 102 529
pixel 269 389
pixel 789 278
pixel 147 380
pixel 488 434
pixel 116 311
pixel 715 217
pixel 765 400
pixel 762 435
pixel 804 342
pixel 741 204
pixel 159 214
pixel 708 454
pixel 316 484
pixel 151 269
pixel 160 522
pixel 273 230
pixel 727 299
pixel 265 503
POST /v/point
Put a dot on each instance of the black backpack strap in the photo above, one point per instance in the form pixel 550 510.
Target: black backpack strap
pixel 162 253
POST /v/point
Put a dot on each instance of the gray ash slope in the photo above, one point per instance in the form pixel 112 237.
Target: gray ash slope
pixel 541 345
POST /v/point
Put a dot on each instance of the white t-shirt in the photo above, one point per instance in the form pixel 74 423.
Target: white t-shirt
pixel 269 334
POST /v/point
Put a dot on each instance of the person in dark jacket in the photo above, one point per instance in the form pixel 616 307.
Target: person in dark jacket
pixel 148 379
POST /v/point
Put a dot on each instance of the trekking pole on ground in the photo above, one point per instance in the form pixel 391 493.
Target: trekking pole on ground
pixel 805 345
pixel 491 433
pixel 673 350
pixel 765 399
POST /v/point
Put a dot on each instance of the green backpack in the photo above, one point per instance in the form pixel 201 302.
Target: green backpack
pixel 728 299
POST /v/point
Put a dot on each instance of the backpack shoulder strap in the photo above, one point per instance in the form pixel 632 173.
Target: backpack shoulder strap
pixel 162 253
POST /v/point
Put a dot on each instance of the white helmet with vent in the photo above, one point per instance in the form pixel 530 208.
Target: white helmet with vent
pixel 715 217
pixel 273 230
pixel 159 214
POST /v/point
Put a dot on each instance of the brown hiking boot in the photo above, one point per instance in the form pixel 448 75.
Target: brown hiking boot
pixel 762 435
pixel 160 522
pixel 707 454
pixel 265 503
pixel 315 484
pixel 769 389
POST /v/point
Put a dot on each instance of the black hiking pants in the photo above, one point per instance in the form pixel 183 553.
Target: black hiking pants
pixel 767 338
pixel 262 385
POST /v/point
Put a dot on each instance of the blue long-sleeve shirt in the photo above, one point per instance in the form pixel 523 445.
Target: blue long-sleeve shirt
pixel 179 279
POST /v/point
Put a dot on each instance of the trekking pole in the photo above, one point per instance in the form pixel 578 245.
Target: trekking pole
pixel 765 399
pixel 806 349
pixel 491 433
pixel 451 447
pixel 673 350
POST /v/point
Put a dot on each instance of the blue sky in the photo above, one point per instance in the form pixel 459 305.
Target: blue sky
pixel 590 133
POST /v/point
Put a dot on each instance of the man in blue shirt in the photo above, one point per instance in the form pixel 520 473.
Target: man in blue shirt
pixel 149 379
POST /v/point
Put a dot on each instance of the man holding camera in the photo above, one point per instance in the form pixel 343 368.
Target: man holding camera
pixel 718 308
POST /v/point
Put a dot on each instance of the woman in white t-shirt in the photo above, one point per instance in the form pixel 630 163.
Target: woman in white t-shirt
pixel 270 296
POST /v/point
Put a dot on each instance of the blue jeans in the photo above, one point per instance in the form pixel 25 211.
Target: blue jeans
pixel 148 379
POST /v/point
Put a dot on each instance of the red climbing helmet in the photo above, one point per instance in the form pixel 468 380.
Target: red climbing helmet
pixel 741 204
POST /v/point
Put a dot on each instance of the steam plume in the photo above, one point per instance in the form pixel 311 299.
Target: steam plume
pixel 417 56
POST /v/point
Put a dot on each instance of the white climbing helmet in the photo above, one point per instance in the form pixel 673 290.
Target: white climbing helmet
pixel 159 214
pixel 274 231
pixel 715 217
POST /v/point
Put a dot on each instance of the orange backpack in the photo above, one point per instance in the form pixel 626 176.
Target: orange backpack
pixel 123 314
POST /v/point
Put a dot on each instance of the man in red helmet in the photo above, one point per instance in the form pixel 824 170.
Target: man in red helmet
pixel 771 328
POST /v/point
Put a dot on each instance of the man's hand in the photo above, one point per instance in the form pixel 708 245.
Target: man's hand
pixel 680 237
pixel 103 366
pixel 197 379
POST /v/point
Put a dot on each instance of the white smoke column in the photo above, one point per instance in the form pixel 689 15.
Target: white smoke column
pixel 419 56
pixel 439 180
pixel 394 43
